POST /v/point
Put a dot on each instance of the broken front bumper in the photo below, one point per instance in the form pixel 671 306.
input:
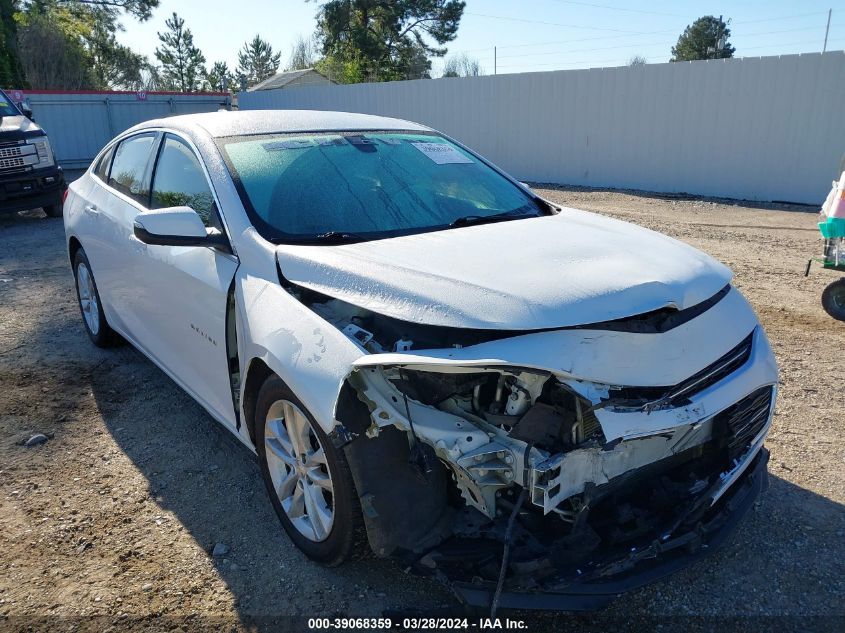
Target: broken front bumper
pixel 595 589
pixel 662 487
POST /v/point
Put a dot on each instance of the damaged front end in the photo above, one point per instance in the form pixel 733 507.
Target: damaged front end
pixel 464 445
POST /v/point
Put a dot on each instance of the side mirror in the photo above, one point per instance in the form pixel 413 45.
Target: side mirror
pixel 177 226
pixel 27 112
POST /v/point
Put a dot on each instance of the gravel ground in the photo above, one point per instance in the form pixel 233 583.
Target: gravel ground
pixel 112 521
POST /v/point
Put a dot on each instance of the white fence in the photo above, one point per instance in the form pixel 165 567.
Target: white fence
pixel 769 128
pixel 80 123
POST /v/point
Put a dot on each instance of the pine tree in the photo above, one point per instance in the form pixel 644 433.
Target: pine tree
pixel 367 40
pixel 182 63
pixel 219 77
pixel 706 38
pixel 257 61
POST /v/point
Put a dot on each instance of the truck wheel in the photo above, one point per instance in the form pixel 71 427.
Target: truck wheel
pixel 308 479
pixel 53 210
pixel 833 299
pixel 90 305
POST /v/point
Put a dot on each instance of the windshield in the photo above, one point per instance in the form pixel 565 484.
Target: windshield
pixel 366 185
pixel 7 108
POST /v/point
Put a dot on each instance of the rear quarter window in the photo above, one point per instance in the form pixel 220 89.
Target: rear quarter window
pixel 102 168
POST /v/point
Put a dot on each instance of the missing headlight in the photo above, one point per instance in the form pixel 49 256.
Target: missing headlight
pixel 531 407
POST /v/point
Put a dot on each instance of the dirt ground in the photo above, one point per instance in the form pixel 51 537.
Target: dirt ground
pixel 112 521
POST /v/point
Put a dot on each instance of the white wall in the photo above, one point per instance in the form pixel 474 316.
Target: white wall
pixel 770 128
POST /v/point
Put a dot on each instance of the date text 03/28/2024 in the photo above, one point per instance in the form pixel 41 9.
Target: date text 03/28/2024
pixel 422 623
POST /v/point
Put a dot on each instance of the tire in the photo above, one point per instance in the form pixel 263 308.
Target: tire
pixel 90 306
pixel 345 538
pixel 833 299
pixel 53 210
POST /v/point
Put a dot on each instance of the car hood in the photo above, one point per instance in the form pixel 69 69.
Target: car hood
pixel 573 268
pixel 13 128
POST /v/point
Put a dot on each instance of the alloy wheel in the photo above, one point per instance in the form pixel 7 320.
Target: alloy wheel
pixel 88 298
pixel 299 470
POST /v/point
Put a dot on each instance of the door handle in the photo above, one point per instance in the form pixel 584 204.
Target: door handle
pixel 92 209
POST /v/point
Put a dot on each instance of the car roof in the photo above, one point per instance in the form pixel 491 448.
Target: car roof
pixel 235 123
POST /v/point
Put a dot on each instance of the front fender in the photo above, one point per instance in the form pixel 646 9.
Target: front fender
pixel 310 355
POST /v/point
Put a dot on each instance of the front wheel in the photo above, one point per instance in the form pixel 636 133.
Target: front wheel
pixel 308 479
pixel 833 299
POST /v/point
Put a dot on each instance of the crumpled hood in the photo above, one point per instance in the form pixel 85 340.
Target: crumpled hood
pixel 573 268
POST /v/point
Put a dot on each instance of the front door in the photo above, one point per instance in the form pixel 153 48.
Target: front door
pixel 182 291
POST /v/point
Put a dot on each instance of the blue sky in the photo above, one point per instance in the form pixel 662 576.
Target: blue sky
pixel 530 35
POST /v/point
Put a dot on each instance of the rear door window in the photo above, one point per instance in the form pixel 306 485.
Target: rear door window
pixel 129 167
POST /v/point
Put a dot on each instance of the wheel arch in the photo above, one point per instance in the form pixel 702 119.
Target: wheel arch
pixel 73 247
pixel 257 372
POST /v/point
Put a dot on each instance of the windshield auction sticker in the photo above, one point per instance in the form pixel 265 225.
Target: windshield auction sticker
pixel 441 153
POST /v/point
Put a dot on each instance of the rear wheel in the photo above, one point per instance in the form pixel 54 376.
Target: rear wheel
pixel 308 479
pixel 833 299
pixel 89 303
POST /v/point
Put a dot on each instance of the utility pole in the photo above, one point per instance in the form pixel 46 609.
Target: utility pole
pixel 495 58
pixel 826 30
pixel 719 43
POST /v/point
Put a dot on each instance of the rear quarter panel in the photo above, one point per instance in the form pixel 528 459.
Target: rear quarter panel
pixel 77 194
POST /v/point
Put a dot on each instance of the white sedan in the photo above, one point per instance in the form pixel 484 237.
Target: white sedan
pixel 537 403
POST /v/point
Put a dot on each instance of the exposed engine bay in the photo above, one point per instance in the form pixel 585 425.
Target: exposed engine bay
pixel 453 462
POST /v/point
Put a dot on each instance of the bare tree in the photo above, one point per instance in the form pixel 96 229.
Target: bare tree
pixel 637 60
pixel 302 55
pixel 150 78
pixel 462 66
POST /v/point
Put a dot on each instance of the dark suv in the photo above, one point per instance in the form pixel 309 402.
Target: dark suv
pixel 29 175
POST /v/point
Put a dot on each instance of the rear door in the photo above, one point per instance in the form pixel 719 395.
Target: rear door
pixel 181 292
pixel 121 192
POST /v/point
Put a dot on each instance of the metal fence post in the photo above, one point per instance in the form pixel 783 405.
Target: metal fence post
pixel 109 116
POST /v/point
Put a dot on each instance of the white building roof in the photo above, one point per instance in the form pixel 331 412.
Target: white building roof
pixel 280 80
